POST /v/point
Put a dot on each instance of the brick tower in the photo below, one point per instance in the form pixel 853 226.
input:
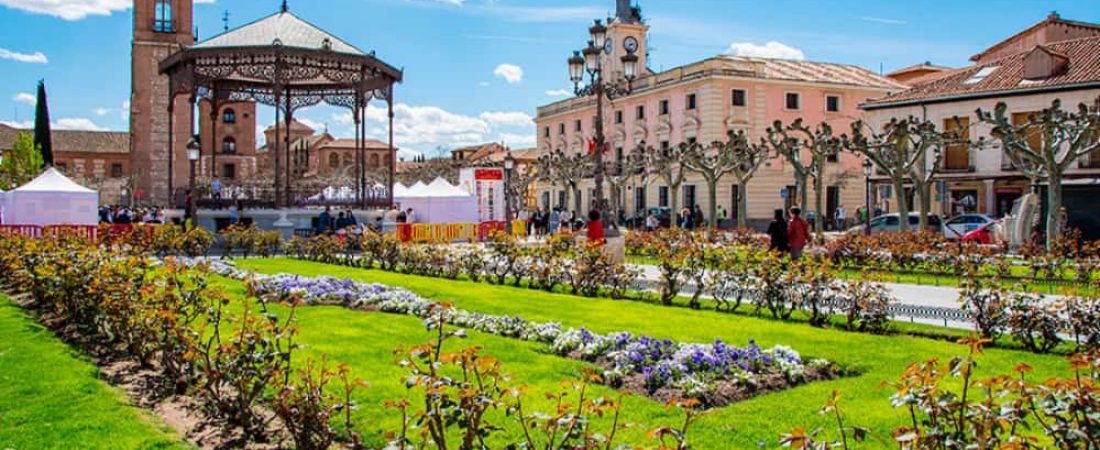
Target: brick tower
pixel 161 28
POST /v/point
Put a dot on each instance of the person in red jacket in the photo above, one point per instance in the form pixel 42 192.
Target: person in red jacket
pixel 798 233
pixel 595 229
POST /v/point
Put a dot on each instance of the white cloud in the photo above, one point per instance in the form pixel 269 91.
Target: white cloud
pixel 771 49
pixel 317 126
pixel 32 58
pixel 517 140
pixel 25 98
pixel 78 124
pixel 483 84
pixel 451 2
pixel 511 73
pixel 101 111
pixel 559 93
pixel 517 119
pixel 883 20
pixel 546 13
pixel 74 9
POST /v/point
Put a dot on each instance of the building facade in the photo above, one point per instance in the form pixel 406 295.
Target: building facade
pixel 229 145
pixel 99 160
pixel 1052 60
pixel 702 102
pixel 161 28
pixel 318 155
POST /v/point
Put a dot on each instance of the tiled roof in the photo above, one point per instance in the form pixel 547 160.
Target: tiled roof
pixel 70 141
pixel 818 72
pixel 290 30
pixel 350 143
pixel 1052 19
pixel 1083 69
pixel 295 125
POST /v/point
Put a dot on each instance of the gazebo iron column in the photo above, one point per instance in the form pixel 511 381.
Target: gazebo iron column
pixel 289 118
pixel 275 147
pixel 393 154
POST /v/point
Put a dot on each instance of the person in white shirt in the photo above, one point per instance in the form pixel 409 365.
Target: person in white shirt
pixel 840 218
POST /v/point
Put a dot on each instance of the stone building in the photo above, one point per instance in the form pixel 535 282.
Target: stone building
pixel 229 149
pixel 701 102
pixel 318 155
pixel 1055 59
pixel 99 160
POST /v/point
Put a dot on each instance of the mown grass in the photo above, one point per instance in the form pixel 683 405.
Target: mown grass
pixel 50 397
pixel 358 338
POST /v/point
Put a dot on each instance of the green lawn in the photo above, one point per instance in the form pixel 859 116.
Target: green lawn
pixel 364 339
pixel 51 398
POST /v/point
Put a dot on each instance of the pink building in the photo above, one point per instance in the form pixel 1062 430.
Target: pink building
pixel 701 102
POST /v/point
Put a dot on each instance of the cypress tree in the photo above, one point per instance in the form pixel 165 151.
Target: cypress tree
pixel 42 126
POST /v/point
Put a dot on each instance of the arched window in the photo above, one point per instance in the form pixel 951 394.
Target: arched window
pixel 229 116
pixel 333 160
pixel 229 145
pixel 374 160
pixel 162 17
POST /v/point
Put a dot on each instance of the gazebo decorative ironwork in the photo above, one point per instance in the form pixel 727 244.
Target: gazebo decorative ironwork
pixel 287 63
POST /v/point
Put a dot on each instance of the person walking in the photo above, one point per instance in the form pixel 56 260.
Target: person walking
pixel 324 221
pixel 798 233
pixel 721 216
pixel 697 218
pixel 651 223
pixel 216 192
pixel 777 231
pixel 555 221
pixel 840 219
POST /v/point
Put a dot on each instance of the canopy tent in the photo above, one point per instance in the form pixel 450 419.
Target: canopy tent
pixel 51 199
pixel 440 202
pixel 399 190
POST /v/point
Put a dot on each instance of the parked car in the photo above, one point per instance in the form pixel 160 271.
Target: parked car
pixel 959 226
pixel 891 223
pixel 984 234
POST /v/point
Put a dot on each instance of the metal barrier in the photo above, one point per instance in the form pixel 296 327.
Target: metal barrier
pixel 455 232
pixel 90 232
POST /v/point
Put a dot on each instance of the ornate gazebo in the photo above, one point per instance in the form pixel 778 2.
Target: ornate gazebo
pixel 287 63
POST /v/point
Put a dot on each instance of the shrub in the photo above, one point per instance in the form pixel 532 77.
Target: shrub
pixel 307 408
pixel 1033 323
pixel 985 302
pixel 866 306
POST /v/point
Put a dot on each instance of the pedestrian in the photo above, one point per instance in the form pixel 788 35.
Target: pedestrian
pixel 595 229
pixel 324 221
pixel 685 218
pixel 234 215
pixel 651 222
pixel 840 219
pixel 401 217
pixel 555 221
pixel 697 217
pixel 798 233
pixel 777 232
pixel 721 216
pixel 216 192
pixel 410 216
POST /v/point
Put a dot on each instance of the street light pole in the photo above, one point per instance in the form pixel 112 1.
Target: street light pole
pixel 600 88
pixel 868 167
pixel 194 151
pixel 509 164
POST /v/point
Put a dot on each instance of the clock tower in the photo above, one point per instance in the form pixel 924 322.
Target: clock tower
pixel 161 28
pixel 626 34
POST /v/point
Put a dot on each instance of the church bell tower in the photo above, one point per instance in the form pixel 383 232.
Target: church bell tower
pixel 161 28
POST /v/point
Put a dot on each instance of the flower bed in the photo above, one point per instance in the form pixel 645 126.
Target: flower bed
pixel 715 373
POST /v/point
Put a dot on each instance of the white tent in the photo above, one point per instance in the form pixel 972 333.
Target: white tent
pixel 440 202
pixel 399 190
pixel 51 199
pixel 3 207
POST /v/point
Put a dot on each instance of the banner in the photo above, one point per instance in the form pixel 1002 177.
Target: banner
pixel 487 184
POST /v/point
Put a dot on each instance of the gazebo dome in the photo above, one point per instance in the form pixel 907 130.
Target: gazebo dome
pixel 283 28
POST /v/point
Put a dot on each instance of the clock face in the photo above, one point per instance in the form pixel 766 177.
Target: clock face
pixel 608 45
pixel 630 44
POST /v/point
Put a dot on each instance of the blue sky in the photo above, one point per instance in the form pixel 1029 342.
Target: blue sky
pixel 461 56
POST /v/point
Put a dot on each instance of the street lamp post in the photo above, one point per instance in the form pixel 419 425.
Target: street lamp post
pixel 509 164
pixel 868 167
pixel 194 151
pixel 600 88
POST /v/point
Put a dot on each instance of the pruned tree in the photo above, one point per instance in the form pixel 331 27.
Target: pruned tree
pixel 42 135
pixel 1064 137
pixel 790 142
pixel 711 162
pixel 667 164
pixel 748 158
pixel 622 171
pixel 519 185
pixel 566 171
pixel 928 145
pixel 892 152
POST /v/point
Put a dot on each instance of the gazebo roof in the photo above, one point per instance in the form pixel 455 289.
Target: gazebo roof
pixel 285 28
